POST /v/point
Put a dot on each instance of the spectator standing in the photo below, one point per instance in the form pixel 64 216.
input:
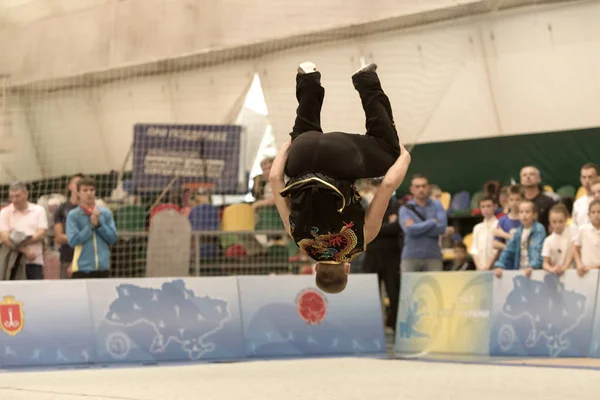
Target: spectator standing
pixel 508 224
pixel 423 220
pixel 23 227
pixel 482 249
pixel 60 223
pixel 531 183
pixel 461 260
pixel 581 206
pixel 557 249
pixel 261 190
pixel 383 257
pixel 503 200
pixel 587 241
pixel 90 230
pixel 524 249
pixel 435 192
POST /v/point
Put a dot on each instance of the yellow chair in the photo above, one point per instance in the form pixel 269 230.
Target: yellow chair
pixel 468 241
pixel 445 200
pixel 238 217
pixel 580 192
pixel 548 188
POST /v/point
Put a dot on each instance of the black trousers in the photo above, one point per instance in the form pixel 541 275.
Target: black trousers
pixel 89 275
pixel 32 271
pixel 386 264
pixel 344 156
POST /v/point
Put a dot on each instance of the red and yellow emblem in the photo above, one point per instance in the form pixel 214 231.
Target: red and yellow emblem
pixel 11 315
pixel 311 306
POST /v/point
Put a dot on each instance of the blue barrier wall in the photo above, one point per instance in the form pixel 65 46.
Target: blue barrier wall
pixel 444 312
pixel 541 316
pixel 287 316
pixel 45 323
pixel 147 320
pixel 544 316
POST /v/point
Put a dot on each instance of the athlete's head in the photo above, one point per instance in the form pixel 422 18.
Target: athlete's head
pixel 332 278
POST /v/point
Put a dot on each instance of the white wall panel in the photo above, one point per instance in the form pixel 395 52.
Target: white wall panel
pixel 342 110
pixel 91 130
pixel 544 68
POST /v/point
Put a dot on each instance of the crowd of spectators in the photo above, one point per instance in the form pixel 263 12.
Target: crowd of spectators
pixel 523 226
pixel 83 230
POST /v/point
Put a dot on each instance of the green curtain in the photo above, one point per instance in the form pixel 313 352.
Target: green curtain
pixel 468 164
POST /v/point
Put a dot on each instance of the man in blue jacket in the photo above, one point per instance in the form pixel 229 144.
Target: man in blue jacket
pixel 423 220
pixel 90 231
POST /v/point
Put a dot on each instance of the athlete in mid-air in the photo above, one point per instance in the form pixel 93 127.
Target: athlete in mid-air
pixel 320 205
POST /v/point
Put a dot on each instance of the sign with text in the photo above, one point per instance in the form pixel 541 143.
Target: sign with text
pixel 444 313
pixel 193 155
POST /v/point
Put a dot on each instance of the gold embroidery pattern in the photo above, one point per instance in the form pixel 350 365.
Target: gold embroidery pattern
pixel 339 247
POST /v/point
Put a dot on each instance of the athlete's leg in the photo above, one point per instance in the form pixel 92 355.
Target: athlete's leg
pixel 379 149
pixel 377 107
pixel 310 94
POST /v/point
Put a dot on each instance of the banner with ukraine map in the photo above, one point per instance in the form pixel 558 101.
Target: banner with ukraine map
pixel 162 319
pixel 544 315
pixel 444 313
pixel 595 340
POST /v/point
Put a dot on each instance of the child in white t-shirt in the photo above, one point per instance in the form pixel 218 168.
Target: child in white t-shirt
pixel 482 250
pixel 587 242
pixel 557 250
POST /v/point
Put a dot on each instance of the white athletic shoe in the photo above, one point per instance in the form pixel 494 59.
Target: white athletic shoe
pixel 307 68
pixel 368 67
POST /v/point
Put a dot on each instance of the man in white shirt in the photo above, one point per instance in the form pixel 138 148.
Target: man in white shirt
pixel 482 250
pixel 24 220
pixel 589 171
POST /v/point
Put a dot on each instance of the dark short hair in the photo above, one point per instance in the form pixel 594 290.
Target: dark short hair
pixel 591 165
pixel 332 278
pixel 418 176
pixel 559 208
pixel 488 198
pixel 86 181
pixel 516 189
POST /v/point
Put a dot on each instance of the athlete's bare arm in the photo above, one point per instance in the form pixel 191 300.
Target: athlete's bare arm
pixel 277 181
pixel 392 180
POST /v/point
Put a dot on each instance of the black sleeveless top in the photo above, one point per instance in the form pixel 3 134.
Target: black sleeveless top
pixel 327 220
